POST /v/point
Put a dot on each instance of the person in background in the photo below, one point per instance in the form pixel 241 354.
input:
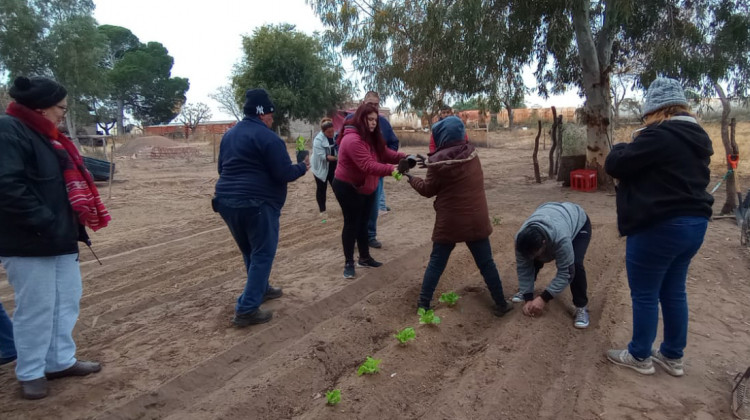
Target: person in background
pixel 254 170
pixel 7 345
pixel 363 158
pixel 391 142
pixel 559 232
pixel 663 208
pixel 47 199
pixel 455 178
pixel 323 163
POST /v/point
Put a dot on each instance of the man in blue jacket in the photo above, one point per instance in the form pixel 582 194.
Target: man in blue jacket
pixel 254 170
pixel 391 141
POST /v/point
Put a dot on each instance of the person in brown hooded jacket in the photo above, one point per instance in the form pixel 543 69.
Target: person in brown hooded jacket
pixel 454 175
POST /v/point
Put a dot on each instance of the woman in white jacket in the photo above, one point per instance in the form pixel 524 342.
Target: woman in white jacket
pixel 323 163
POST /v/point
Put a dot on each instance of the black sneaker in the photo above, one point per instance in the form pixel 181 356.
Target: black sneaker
pixel 374 243
pixel 272 293
pixel 501 310
pixel 349 272
pixel 368 263
pixel 259 316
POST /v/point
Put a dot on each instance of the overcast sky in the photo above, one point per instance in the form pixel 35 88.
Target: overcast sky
pixel 205 37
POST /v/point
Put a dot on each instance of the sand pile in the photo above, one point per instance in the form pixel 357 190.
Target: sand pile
pixel 136 145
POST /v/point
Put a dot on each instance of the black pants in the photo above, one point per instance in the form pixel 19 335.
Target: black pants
pixel 578 284
pixel 356 208
pixel 322 187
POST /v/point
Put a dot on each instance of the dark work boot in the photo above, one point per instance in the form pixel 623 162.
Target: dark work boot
pixel 272 293
pixel 79 368
pixel 258 316
pixel 502 309
pixel 34 389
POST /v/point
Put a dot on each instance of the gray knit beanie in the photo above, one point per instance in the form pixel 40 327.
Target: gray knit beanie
pixel 662 93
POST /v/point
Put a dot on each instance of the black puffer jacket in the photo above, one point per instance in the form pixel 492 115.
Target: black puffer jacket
pixel 36 218
pixel 663 174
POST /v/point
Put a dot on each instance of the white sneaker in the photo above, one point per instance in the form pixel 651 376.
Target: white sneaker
pixel 672 366
pixel 624 358
pixel 581 318
pixel 517 298
pixel 323 217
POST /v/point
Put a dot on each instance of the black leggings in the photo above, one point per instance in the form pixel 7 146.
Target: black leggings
pixel 356 208
pixel 320 191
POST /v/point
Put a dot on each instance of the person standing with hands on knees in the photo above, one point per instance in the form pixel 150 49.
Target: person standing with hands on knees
pixel 455 178
pixel 559 232
pixel 323 163
pixel 663 208
pixel 363 159
pixel 254 170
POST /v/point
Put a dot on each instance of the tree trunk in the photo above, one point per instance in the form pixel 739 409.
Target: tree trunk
pixel 120 117
pixel 726 107
pixel 510 116
pixel 70 123
pixel 553 144
pixel 559 149
pixel 537 177
pixel 595 69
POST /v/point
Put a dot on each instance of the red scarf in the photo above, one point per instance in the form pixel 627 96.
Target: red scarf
pixel 82 193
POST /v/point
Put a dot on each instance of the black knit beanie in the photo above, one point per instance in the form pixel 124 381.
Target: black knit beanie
pixel 37 92
pixel 257 102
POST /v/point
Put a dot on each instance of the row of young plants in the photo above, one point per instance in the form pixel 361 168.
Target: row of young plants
pixel 372 365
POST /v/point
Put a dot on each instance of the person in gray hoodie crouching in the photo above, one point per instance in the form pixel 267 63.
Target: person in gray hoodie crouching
pixel 560 232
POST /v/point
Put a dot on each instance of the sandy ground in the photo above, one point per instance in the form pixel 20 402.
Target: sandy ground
pixel 157 315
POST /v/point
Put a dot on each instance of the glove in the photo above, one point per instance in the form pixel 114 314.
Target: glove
pixel 422 160
pixel 403 165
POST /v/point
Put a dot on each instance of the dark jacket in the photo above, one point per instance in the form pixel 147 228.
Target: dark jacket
pixel 254 163
pixel 663 174
pixel 36 219
pixel 454 175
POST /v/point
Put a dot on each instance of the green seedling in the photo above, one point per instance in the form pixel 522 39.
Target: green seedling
pixel 300 143
pixel 369 366
pixel 405 335
pixel 496 220
pixel 449 298
pixel 428 316
pixel 333 397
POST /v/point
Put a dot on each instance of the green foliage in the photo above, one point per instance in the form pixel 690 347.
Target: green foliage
pixel 405 335
pixel 450 298
pixel 333 397
pixel 496 220
pixel 428 317
pixel 300 143
pixel 304 79
pixel 370 366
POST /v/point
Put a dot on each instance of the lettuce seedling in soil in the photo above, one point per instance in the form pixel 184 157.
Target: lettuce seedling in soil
pixel 405 335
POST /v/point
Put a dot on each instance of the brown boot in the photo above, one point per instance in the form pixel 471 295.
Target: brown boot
pixel 34 389
pixel 79 368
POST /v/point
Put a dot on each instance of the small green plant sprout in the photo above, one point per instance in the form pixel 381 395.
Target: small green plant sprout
pixel 405 335
pixel 369 366
pixel 428 316
pixel 333 397
pixel 496 220
pixel 300 143
pixel 450 298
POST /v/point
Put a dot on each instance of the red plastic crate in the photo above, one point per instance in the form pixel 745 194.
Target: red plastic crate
pixel 583 180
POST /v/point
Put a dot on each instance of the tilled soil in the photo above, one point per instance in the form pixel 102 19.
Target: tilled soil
pixel 157 315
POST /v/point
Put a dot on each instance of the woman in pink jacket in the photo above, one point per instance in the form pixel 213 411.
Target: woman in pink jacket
pixel 363 159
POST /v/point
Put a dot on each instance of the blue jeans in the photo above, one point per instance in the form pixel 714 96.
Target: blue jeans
pixel 7 345
pixel 657 261
pixel 482 253
pixel 47 294
pixel 255 227
pixel 372 225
